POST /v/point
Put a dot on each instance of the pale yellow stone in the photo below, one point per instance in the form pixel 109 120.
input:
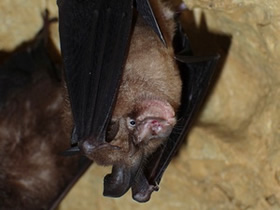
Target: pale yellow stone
pixel 22 20
pixel 232 158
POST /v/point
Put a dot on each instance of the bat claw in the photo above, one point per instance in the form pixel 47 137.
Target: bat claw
pixel 89 148
pixel 182 7
pixel 145 195
pixel 71 151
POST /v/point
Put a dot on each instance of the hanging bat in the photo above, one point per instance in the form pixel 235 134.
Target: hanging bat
pixel 134 88
pixel 33 173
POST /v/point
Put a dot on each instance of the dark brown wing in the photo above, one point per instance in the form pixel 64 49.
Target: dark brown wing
pixel 196 74
pixel 94 37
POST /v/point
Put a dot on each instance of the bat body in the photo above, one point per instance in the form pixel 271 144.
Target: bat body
pixel 150 90
pixel 144 114
pixel 32 171
pixel 127 86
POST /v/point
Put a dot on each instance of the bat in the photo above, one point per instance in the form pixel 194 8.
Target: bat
pixel 144 113
pixel 129 78
pixel 33 173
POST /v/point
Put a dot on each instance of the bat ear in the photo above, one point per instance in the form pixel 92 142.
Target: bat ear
pixel 112 130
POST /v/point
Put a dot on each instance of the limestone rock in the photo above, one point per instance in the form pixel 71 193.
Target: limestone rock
pixel 231 159
pixel 21 20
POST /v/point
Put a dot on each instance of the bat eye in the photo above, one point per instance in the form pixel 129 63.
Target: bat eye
pixel 132 123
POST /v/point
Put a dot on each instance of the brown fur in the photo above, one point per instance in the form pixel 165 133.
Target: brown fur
pixel 32 171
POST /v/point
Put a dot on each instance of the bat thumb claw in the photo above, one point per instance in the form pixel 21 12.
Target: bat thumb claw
pixel 72 151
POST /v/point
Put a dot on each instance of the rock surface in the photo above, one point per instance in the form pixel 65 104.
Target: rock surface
pixel 231 159
pixel 21 20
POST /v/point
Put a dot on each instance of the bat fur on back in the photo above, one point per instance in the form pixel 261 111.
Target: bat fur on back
pixel 32 170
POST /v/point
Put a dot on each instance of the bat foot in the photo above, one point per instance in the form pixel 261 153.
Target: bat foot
pixel 142 190
pixel 117 183
pixel 145 195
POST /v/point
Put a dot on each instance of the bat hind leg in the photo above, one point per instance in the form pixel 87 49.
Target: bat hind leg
pixel 118 182
pixel 141 189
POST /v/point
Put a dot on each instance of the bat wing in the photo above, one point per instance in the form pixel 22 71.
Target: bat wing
pixel 83 165
pixel 145 10
pixel 94 37
pixel 197 74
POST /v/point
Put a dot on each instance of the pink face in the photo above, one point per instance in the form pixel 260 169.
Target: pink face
pixel 154 120
pixel 139 133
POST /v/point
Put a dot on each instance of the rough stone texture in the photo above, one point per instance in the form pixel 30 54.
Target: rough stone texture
pixel 21 20
pixel 231 159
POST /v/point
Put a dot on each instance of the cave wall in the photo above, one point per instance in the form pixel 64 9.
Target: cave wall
pixel 231 159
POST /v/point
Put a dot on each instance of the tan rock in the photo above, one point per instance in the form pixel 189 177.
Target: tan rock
pixel 22 20
pixel 231 160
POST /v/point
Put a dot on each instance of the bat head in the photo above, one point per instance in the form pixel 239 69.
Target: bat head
pixel 151 123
